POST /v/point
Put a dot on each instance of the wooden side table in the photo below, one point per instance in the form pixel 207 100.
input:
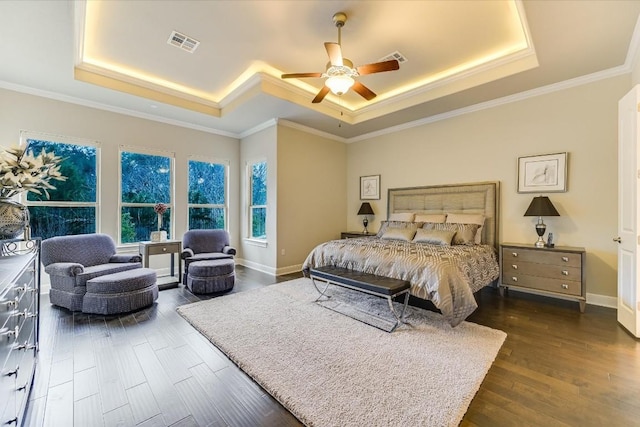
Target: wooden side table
pixel 170 247
pixel 354 234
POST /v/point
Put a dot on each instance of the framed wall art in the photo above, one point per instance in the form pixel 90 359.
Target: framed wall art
pixel 546 173
pixel 370 187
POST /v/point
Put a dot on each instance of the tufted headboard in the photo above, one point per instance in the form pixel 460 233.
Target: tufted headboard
pixel 474 198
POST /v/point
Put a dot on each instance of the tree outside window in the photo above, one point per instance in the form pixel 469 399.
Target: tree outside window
pixel 72 206
pixel 145 181
pixel 207 195
pixel 258 204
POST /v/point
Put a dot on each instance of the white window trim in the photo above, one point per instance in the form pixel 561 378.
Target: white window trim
pixel 249 218
pixel 143 150
pixel 227 165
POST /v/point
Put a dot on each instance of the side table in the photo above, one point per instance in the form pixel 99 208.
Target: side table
pixel 171 247
pixel 354 234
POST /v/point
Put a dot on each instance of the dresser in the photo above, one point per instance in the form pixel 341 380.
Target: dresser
pixel 19 323
pixel 555 272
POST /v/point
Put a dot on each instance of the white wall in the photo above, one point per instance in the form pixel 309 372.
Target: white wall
pixel 485 146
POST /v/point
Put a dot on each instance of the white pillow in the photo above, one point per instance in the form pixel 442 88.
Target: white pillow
pixel 405 234
pixel 457 218
pixel 401 216
pixel 439 218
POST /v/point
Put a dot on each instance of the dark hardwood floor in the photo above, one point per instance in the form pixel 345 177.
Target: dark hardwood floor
pixel 151 368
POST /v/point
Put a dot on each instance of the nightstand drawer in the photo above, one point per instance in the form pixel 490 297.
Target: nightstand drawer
pixel 168 248
pixel 511 255
pixel 560 272
pixel 568 287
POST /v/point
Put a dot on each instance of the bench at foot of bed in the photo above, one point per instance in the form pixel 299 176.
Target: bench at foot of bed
pixel 384 287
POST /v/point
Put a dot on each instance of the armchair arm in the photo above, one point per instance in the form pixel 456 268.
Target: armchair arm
pixel 230 250
pixel 64 269
pixel 125 258
pixel 186 253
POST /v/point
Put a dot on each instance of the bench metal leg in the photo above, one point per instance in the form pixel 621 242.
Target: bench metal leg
pixel 401 318
pixel 327 283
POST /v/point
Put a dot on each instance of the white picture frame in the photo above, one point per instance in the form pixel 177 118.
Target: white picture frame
pixel 370 187
pixel 545 173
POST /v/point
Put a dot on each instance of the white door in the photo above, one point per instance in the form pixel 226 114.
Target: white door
pixel 628 240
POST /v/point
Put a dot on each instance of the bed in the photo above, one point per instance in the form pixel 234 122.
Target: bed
pixel 411 245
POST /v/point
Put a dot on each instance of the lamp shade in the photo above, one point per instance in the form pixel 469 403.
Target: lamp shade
pixel 541 206
pixel 365 209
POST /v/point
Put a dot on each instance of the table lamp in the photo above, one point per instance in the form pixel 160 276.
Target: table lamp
pixel 365 209
pixel 541 206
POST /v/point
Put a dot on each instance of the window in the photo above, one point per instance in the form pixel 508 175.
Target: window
pixel 258 201
pixel 72 206
pixel 145 180
pixel 207 195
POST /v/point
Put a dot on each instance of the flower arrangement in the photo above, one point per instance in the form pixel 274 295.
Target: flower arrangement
pixel 160 209
pixel 22 171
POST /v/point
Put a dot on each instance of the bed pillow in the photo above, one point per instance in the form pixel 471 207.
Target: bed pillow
pixel 397 224
pixel 440 218
pixel 404 234
pixel 457 218
pixel 465 233
pixel 401 216
pixel 434 237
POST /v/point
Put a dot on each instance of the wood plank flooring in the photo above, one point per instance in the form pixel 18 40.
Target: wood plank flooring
pixel 151 368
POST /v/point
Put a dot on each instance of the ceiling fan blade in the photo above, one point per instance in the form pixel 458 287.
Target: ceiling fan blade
pixel 335 53
pixel 363 91
pixel 378 67
pixel 320 96
pixel 300 75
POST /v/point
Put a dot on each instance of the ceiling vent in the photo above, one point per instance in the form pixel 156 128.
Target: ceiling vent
pixel 183 42
pixel 395 55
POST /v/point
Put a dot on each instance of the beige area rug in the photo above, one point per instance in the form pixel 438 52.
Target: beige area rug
pixel 331 370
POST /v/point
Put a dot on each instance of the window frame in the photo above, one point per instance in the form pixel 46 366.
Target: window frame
pixel 172 178
pixel 250 207
pixel 217 161
pixel 26 135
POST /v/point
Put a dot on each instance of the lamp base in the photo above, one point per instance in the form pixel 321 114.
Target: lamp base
pixel 365 222
pixel 540 243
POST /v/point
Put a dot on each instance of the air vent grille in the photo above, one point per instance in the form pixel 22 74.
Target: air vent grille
pixel 183 42
pixel 395 55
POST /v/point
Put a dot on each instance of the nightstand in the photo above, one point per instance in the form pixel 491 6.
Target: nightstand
pixel 556 272
pixel 353 234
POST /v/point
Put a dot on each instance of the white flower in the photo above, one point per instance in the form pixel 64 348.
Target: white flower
pixel 21 171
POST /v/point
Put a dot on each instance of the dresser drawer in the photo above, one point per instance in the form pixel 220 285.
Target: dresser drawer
pixel 163 249
pixel 561 272
pixel 567 287
pixel 511 255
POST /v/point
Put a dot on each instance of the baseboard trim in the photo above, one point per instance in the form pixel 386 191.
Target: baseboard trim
pixel 255 266
pixel 602 300
pixel 289 269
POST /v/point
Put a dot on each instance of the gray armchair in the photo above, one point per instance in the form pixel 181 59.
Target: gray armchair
pixel 71 261
pixel 200 245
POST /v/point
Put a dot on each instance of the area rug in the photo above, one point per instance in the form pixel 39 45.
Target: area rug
pixel 328 369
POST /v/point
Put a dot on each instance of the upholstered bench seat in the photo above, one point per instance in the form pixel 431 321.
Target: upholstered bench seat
pixel 210 276
pixel 121 292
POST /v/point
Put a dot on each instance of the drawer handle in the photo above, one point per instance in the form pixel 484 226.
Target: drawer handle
pixel 22 388
pixel 565 273
pixel 515 279
pixel 164 249
pixel 11 421
pixel 565 286
pixel 515 254
pixel 10 305
pixel 514 266
pixel 12 373
pixel 565 258
pixel 10 333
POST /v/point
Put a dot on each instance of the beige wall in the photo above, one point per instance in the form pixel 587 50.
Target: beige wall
pixel 19 111
pixel 485 146
pixel 312 196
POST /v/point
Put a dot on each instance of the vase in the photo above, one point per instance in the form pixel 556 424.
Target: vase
pixel 14 218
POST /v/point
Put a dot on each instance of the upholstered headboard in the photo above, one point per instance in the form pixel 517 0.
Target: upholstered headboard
pixel 475 198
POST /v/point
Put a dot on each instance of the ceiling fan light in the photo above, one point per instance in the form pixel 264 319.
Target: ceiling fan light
pixel 339 84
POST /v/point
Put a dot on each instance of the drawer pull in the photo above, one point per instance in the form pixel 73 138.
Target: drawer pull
pixel 514 266
pixel 515 254
pixel 515 279
pixel 10 305
pixel 164 249
pixel 12 373
pixel 12 421
pixel 565 258
pixel 10 333
pixel 22 388
pixel 565 273
pixel 565 286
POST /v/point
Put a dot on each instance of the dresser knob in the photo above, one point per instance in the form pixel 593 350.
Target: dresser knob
pixel 515 279
pixel 565 286
pixel 164 249
pixel 565 258
pixel 565 273
pixel 514 266
pixel 515 254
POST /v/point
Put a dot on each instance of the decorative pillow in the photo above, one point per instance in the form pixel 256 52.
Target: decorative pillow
pixel 405 234
pixel 397 224
pixel 434 237
pixel 440 218
pixel 401 216
pixel 457 218
pixel 465 233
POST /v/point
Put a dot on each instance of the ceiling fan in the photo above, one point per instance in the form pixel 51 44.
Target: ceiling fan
pixel 340 71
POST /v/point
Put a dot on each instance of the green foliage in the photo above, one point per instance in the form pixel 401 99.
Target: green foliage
pixel 127 228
